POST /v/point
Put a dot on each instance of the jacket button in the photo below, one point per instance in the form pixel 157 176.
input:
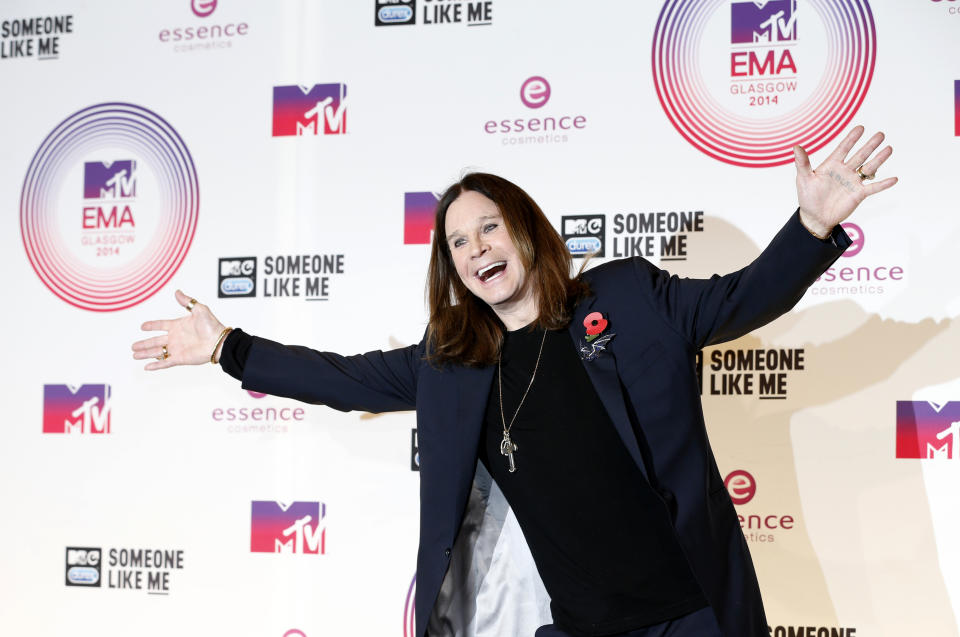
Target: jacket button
pixel 446 552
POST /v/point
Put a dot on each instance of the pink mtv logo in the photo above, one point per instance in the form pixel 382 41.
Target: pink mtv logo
pixel 928 430
pixel 276 527
pixel 318 110
pixel 72 409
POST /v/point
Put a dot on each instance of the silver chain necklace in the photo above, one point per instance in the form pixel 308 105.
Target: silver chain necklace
pixel 507 446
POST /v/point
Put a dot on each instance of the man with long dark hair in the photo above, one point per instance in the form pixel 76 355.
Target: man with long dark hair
pixel 566 388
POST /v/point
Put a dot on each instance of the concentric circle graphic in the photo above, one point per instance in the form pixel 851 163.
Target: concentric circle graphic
pixel 107 255
pixel 409 611
pixel 724 92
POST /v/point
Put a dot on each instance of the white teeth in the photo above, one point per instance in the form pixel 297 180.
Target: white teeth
pixel 492 265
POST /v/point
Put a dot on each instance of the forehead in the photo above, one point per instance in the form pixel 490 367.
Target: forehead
pixel 467 210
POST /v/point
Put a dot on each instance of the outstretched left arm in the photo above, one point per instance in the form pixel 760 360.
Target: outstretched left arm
pixel 829 193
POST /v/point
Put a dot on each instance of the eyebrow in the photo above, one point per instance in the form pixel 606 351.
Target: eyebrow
pixel 481 219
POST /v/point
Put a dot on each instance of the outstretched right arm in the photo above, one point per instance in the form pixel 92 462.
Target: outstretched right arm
pixel 376 381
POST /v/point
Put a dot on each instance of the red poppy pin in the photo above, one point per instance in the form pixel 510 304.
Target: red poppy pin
pixel 597 341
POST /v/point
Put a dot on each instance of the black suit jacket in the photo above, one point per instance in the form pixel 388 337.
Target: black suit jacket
pixel 646 379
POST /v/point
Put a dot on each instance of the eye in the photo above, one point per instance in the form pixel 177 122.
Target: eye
pixel 458 242
pixel 489 227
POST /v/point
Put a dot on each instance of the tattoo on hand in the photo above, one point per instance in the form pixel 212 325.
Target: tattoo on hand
pixel 840 179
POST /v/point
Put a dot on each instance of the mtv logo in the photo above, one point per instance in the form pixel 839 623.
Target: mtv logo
pixel 238 267
pixel 276 527
pixel 956 108
pixel 72 409
pixel 110 180
pixel 419 209
pixel 767 21
pixel 938 452
pixel 582 225
pixel 928 430
pixel 321 109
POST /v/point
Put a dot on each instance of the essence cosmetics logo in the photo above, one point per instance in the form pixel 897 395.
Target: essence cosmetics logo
pixel 864 277
pixel 319 110
pixel 203 8
pixel 744 81
pixel 583 234
pixel 928 430
pixel 855 233
pixel 419 209
pixel 203 35
pixel 83 566
pixel 276 527
pixel 237 277
pixel 758 526
pixel 740 486
pixel 395 12
pixel 549 128
pixel 72 409
pixel 109 206
pixel 535 92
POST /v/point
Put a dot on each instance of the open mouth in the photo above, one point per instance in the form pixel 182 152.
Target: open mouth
pixel 492 271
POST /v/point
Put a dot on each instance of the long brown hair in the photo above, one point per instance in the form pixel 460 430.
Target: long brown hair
pixel 463 329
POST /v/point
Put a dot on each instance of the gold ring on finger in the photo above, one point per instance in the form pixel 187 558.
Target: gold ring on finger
pixel 864 176
pixel 164 354
pixel 191 304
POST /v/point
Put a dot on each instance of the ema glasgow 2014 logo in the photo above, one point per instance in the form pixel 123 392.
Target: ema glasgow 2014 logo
pixel 109 206
pixel 745 81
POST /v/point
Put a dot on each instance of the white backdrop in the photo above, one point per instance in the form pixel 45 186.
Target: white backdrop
pixel 861 541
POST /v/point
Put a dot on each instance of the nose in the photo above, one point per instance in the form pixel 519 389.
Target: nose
pixel 479 246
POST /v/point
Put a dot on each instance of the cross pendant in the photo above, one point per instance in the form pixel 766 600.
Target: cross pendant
pixel 507 447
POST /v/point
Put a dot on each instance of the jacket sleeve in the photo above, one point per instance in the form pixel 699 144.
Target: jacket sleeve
pixel 722 308
pixel 376 381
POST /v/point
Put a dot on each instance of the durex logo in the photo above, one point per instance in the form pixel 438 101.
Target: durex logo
pixel 397 14
pixel 535 92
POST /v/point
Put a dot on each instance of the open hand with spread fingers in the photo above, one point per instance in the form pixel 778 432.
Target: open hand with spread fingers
pixel 832 191
pixel 189 340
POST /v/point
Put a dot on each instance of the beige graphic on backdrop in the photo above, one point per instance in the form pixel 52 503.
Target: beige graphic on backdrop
pixel 825 455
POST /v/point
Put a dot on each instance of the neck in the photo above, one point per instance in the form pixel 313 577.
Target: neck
pixel 515 317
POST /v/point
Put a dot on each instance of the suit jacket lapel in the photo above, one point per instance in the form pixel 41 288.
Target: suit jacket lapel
pixel 473 391
pixel 606 381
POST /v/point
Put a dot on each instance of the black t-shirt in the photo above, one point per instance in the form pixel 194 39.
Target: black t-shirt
pixel 601 538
